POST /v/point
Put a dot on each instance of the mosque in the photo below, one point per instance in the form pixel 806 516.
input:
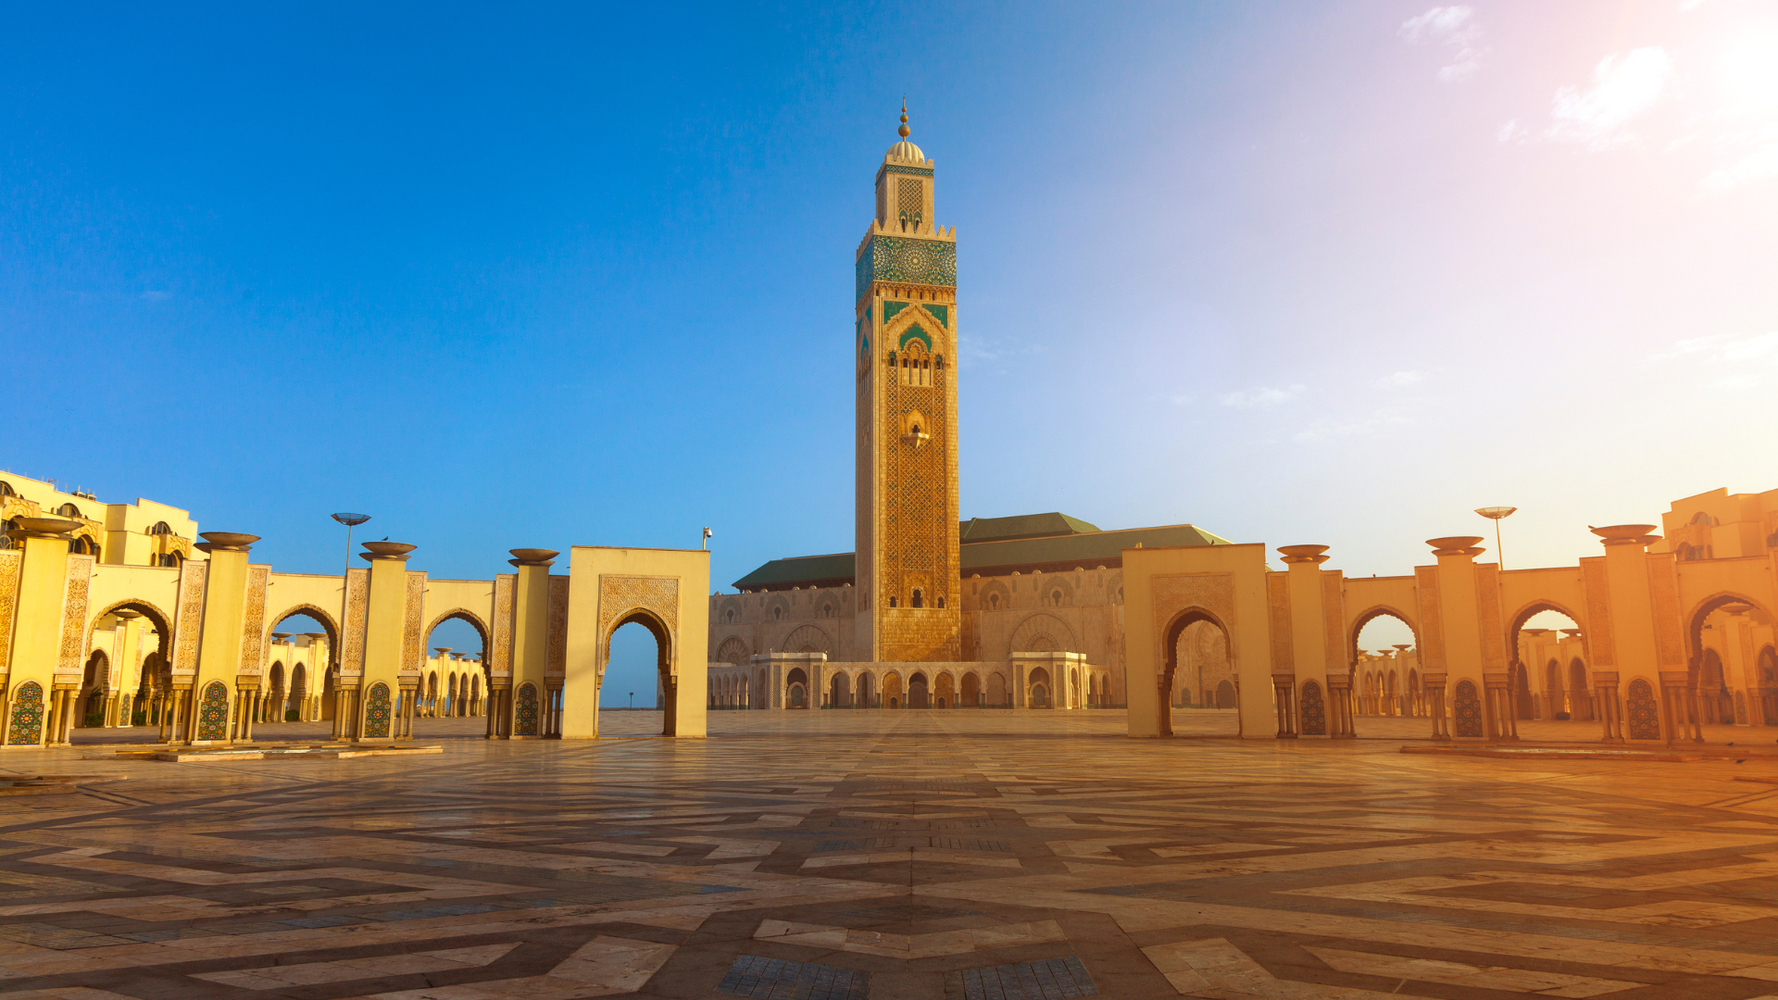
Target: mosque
pixel 932 611
pixel 117 615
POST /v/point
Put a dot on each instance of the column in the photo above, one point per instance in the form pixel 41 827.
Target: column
pixel 1432 694
pixel 1284 698
pixel 37 618
pixel 1459 610
pixel 530 638
pixel 1309 659
pixel 225 615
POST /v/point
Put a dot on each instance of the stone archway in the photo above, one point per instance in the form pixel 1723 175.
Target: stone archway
pixel 1170 650
pixel 1031 632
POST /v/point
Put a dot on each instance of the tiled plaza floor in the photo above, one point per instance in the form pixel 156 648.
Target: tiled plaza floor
pixel 839 855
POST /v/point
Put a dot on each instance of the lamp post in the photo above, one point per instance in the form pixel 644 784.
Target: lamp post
pixel 350 521
pixel 705 544
pixel 1497 514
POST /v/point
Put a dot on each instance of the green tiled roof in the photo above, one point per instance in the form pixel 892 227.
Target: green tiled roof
pixel 993 545
pixel 994 529
pixel 804 571
pixel 1086 549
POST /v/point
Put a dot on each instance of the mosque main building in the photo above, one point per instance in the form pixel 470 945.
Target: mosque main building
pixel 932 611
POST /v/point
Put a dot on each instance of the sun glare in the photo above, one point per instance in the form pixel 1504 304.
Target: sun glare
pixel 1748 70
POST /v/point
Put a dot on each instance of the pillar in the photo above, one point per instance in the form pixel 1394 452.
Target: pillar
pixel 1284 698
pixel 219 648
pixel 1459 613
pixel 1432 696
pixel 530 642
pixel 43 567
pixel 372 717
pixel 1309 659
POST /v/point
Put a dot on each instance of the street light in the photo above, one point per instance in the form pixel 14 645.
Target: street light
pixel 350 521
pixel 632 701
pixel 705 544
pixel 1496 514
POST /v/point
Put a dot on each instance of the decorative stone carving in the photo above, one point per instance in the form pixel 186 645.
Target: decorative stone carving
pixel 1601 642
pixel 621 595
pixel 189 626
pixel 557 664
pixel 9 599
pixel 357 615
pixel 1175 592
pixel 413 649
pixel 253 647
pixel 499 658
pixel 71 655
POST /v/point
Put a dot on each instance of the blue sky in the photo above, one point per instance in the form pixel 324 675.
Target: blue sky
pixel 545 276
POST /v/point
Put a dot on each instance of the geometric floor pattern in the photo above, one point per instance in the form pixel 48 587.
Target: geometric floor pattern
pixel 953 854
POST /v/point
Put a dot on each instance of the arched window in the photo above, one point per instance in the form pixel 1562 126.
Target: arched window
pixel 827 611
pixel 6 489
pixel 1056 598
pixel 1704 519
pixel 68 510
pixel 915 365
pixel 777 614
pixel 919 600
pixel 161 528
pixel 7 527
pixel 941 602
pixel 731 614
pixel 892 602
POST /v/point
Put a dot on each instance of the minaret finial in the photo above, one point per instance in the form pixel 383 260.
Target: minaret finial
pixel 904 130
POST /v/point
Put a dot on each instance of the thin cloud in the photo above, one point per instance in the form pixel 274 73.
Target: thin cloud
pixel 1398 379
pixel 1455 28
pixel 1625 86
pixel 1739 362
pixel 1249 399
pixel 1323 430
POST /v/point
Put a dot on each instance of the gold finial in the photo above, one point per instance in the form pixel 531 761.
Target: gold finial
pixel 904 130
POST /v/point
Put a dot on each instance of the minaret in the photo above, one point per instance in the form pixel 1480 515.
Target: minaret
pixel 905 348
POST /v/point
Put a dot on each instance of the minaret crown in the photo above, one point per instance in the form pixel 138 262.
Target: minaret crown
pixel 905 150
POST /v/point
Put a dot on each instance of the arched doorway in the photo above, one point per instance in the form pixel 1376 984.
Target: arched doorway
pixel 972 690
pixel 1384 645
pixel 997 690
pixel 917 693
pixel 458 642
pixel 1201 653
pixel 1767 666
pixel 299 695
pixel 1189 619
pixel 892 695
pixel 1038 688
pixel 839 694
pixel 130 679
pixel 1225 695
pixel 1719 624
pixel 1541 631
pixel 867 691
pixel 942 695
pixel 1714 696
pixel 315 635
pixel 95 687
pixel 276 693
pixel 796 689
pixel 627 650
pixel 1581 700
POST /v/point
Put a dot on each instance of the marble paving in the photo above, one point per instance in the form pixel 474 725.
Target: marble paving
pixel 828 855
